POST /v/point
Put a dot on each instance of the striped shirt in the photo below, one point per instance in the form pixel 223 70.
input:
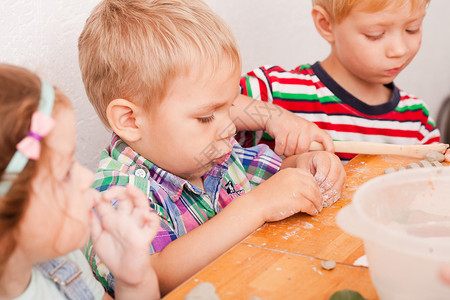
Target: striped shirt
pixel 312 94
pixel 180 205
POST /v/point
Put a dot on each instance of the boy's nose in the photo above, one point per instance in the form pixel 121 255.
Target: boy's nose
pixel 397 47
pixel 228 129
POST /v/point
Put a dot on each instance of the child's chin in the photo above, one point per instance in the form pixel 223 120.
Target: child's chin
pixel 207 167
pixel 72 242
pixel 83 239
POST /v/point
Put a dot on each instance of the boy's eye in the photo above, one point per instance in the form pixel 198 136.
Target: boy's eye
pixel 206 119
pixel 374 37
pixel 413 31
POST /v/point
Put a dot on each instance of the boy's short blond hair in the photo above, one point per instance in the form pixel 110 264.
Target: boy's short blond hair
pixel 133 49
pixel 339 9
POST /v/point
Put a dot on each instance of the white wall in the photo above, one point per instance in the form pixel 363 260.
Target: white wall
pixel 42 36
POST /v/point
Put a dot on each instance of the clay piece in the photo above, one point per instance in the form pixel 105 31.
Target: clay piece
pixel 203 291
pixel 435 156
pixel 328 264
pixel 346 295
pixel 426 163
pixel 389 170
pixel 436 164
pixel 412 166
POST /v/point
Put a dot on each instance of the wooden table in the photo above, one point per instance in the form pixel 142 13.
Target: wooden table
pixel 282 260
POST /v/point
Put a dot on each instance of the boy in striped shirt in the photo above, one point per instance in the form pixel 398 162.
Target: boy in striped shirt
pixel 351 93
pixel 163 77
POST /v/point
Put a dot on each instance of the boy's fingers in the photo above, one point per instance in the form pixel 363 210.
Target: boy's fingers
pixel 311 192
pixel 318 200
pixel 291 144
pixel 280 144
pixel 328 168
pixel 311 208
pixel 322 165
pixel 303 143
pixel 322 137
pixel 332 187
pixel 326 142
pixel 330 197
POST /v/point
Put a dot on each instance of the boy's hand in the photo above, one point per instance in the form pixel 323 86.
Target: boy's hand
pixel 286 193
pixel 122 236
pixel 294 135
pixel 447 155
pixel 328 172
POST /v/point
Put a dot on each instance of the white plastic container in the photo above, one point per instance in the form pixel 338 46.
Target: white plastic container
pixel 404 221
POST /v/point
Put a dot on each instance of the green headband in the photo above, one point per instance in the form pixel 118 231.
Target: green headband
pixel 19 161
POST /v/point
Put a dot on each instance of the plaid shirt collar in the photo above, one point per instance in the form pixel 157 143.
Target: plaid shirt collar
pixel 131 161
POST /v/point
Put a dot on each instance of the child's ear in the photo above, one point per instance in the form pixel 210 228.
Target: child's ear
pixel 322 21
pixel 121 116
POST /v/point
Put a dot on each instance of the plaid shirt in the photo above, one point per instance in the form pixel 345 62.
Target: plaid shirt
pixel 180 205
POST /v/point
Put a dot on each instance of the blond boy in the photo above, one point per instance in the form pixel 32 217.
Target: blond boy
pixel 351 93
pixel 163 75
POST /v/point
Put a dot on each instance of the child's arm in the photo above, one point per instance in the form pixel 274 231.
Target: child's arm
pixel 292 134
pixel 289 191
pixel 122 240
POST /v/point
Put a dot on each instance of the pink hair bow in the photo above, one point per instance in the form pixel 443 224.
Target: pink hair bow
pixel 41 125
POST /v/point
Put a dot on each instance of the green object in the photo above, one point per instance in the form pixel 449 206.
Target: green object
pixel 346 295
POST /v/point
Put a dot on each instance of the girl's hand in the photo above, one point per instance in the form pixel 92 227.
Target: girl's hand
pixel 122 236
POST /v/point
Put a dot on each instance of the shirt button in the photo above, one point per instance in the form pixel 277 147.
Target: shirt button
pixel 140 173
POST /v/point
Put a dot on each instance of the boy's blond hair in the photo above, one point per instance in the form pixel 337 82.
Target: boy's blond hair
pixel 339 9
pixel 133 49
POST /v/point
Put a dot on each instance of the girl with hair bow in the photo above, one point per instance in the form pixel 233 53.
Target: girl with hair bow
pixel 47 205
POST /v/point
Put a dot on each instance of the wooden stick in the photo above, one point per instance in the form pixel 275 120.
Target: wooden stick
pixel 416 151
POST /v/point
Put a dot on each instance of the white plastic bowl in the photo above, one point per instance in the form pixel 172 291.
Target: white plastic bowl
pixel 404 221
